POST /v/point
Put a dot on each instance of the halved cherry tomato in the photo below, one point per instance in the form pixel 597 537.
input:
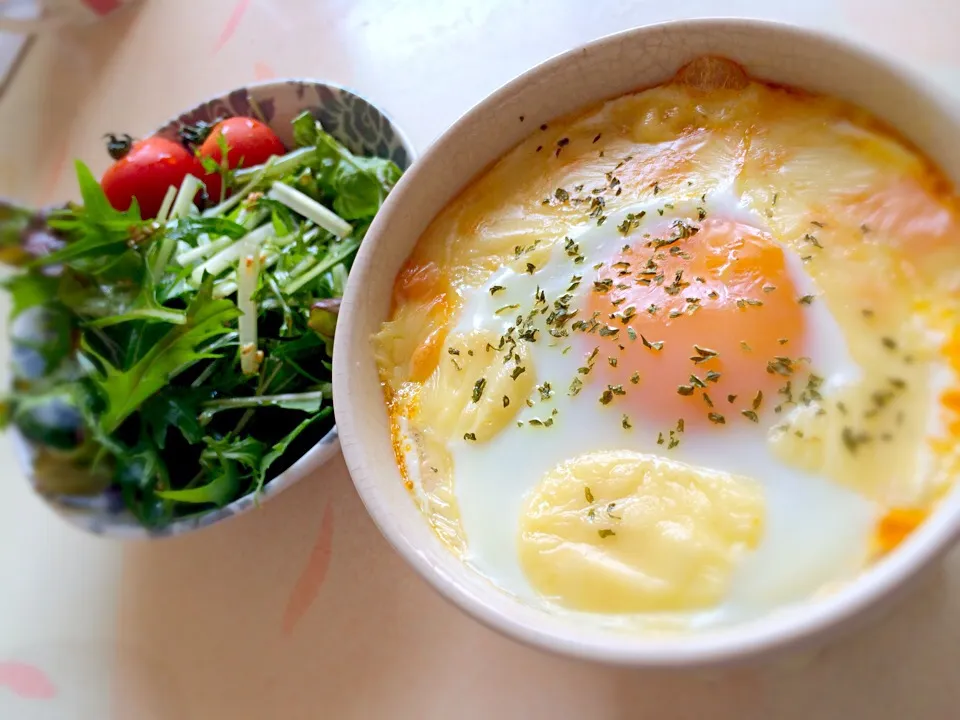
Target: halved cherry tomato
pixel 145 172
pixel 249 142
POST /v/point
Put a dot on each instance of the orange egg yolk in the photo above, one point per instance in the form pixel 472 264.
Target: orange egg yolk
pixel 710 325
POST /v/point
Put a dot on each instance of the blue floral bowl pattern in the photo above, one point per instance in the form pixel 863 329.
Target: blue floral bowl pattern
pixel 365 130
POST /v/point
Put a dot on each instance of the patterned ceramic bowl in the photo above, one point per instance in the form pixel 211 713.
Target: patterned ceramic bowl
pixel 607 68
pixel 365 130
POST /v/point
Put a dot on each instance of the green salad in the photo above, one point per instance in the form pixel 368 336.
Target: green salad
pixel 180 362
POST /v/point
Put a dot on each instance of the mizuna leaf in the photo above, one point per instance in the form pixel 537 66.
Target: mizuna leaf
pixel 125 390
pixel 281 447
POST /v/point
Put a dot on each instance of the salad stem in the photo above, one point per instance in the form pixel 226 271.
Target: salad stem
pixel 248 273
pixel 305 401
pixel 268 400
pixel 181 208
pixel 167 203
pixel 250 220
pixel 175 317
pixel 184 201
pixel 276 166
pixel 256 177
pixel 167 247
pixel 332 260
pixel 218 343
pixel 302 266
pixel 228 285
pixel 201 251
pixel 310 209
pixel 223 259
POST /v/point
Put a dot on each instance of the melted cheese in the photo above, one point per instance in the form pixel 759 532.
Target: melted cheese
pixel 865 225
pixel 619 532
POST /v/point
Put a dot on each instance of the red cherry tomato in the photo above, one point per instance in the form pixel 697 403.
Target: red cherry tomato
pixel 249 142
pixel 145 172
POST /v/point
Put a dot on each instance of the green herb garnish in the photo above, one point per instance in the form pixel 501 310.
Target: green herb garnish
pixel 478 387
pixel 658 345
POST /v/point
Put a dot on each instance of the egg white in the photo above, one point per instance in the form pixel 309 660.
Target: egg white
pixel 817 532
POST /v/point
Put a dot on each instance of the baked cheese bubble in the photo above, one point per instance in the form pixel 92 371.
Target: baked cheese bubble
pixel 627 532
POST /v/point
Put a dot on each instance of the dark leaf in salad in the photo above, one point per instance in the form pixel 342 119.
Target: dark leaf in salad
pixel 124 389
pixel 139 471
pixel 176 410
pixel 281 447
pixel 190 227
pixel 247 451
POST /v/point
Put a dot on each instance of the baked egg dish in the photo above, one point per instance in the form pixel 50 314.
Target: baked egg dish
pixel 682 358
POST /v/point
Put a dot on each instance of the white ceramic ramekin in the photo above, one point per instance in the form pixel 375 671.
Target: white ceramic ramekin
pixel 604 69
